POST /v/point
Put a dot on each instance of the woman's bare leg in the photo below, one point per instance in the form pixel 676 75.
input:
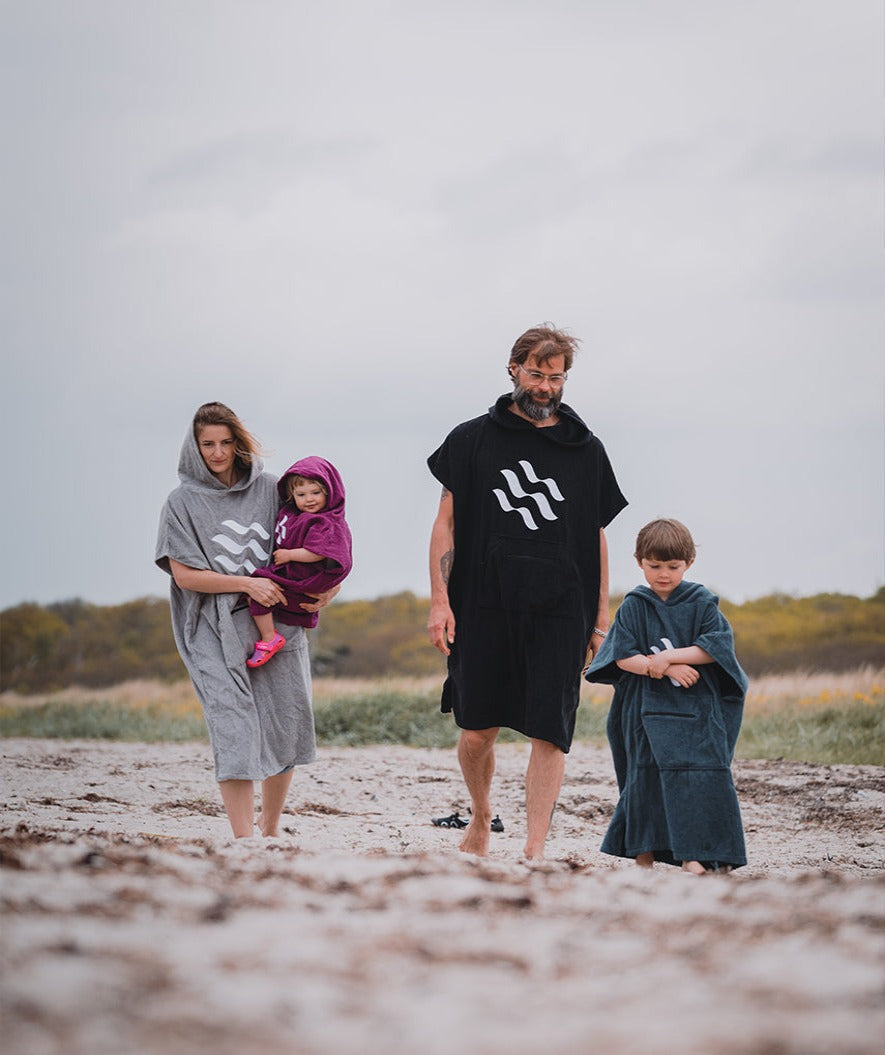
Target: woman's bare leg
pixel 238 797
pixel 646 860
pixel 273 798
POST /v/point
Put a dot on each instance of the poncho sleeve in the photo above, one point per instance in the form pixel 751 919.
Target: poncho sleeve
pixel 715 637
pixel 611 500
pixel 177 539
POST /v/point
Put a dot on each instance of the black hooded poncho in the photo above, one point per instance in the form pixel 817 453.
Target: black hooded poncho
pixel 672 747
pixel 524 586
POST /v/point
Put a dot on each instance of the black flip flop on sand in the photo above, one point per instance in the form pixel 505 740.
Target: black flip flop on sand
pixel 455 820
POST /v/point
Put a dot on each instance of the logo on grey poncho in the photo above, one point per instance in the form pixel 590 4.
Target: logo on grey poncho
pixel 538 502
pixel 237 557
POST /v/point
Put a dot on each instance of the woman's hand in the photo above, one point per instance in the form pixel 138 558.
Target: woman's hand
pixel 264 591
pixel 322 599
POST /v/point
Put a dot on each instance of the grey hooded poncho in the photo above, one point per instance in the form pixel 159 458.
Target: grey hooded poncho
pixel 672 747
pixel 260 721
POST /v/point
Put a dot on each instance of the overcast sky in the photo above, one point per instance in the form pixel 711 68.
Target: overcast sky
pixel 337 217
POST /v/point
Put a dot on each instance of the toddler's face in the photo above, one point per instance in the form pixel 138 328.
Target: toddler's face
pixel 308 496
pixel 663 576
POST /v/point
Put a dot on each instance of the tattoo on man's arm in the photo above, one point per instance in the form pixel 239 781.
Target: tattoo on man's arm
pixel 445 494
pixel 445 565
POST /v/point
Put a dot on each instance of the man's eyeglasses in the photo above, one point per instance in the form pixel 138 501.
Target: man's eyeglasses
pixel 536 377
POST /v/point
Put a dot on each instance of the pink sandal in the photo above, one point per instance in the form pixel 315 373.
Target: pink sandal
pixel 265 650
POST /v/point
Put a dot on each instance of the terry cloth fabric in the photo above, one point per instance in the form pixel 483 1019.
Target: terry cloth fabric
pixel 672 747
pixel 524 585
pixel 260 722
pixel 325 533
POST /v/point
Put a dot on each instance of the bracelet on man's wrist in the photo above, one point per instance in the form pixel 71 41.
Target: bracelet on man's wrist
pixel 602 633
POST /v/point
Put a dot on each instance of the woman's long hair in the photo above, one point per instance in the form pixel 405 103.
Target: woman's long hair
pixel 246 446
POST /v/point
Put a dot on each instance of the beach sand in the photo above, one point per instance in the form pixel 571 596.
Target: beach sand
pixel 133 923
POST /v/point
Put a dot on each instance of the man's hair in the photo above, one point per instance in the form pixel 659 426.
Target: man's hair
pixel 665 540
pixel 246 447
pixel 297 481
pixel 546 342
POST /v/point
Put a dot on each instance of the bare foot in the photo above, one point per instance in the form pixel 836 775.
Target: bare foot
pixel 694 867
pixel 476 836
pixel 646 860
pixel 260 821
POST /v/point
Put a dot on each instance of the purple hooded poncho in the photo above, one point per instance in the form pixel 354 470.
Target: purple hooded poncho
pixel 325 533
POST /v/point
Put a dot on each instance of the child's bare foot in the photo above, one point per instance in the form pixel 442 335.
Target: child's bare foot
pixel 646 860
pixel 694 867
pixel 476 837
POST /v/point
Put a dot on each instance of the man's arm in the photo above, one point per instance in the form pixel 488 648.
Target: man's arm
pixel 441 624
pixel 600 627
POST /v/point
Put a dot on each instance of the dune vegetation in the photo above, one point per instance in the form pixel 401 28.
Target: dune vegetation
pixel 821 718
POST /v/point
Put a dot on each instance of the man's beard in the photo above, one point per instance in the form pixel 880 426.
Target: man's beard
pixel 522 397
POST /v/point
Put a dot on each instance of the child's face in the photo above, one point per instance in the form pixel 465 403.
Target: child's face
pixel 308 496
pixel 663 576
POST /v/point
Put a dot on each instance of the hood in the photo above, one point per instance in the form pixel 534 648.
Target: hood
pixel 193 472
pixel 685 593
pixel 316 469
pixel 569 432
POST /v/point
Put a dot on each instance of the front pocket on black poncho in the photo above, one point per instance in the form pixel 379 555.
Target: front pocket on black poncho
pixel 532 577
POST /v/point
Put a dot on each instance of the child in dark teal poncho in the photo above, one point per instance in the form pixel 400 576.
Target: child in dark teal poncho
pixel 675 715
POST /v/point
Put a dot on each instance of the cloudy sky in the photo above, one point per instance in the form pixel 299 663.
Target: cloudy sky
pixel 336 217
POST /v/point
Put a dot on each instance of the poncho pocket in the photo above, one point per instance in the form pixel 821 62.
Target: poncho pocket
pixel 684 732
pixel 537 578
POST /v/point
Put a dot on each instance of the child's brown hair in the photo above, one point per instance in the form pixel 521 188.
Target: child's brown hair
pixel 665 539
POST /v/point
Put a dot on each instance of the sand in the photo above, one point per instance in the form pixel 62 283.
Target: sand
pixel 133 923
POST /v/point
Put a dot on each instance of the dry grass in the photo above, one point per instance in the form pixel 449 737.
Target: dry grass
pixel 826 718
pixel 866 685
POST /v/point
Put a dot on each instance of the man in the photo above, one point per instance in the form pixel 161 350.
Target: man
pixel 518 563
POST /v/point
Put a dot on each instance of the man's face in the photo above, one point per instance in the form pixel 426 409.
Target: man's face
pixel 537 388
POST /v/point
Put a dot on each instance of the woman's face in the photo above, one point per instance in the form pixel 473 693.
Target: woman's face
pixel 218 448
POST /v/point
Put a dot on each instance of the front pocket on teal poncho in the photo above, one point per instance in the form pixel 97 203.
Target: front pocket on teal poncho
pixel 684 733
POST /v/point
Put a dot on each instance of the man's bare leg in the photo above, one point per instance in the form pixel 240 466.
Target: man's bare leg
pixel 476 754
pixel 543 781
pixel 238 797
pixel 273 798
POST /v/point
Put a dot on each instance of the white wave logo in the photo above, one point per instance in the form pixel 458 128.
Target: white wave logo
pixel 539 498
pixel 280 532
pixel 667 643
pixel 237 549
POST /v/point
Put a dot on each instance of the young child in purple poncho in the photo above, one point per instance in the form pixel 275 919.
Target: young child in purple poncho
pixel 313 550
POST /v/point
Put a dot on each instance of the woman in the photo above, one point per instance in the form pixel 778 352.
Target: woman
pixel 215 529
